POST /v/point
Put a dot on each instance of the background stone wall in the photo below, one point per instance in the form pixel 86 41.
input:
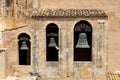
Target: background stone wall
pixel 66 67
pixel 112 8
pixel 3 63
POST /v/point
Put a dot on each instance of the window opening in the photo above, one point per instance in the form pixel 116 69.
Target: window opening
pixel 24 49
pixel 52 42
pixel 82 41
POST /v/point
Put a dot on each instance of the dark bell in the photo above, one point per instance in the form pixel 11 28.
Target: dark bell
pixel 82 41
pixel 24 46
pixel 52 42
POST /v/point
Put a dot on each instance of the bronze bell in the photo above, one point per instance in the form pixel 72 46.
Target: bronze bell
pixel 24 46
pixel 82 41
pixel 52 42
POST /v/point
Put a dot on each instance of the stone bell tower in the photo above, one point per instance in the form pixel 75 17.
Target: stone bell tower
pixel 53 44
pixel 73 59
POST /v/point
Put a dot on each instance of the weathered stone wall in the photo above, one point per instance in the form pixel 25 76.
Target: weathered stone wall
pixel 66 67
pixel 3 65
pixel 112 9
pixel 10 41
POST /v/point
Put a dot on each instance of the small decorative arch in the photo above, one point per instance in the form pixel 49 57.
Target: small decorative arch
pixel 83 41
pixel 52 42
pixel 24 47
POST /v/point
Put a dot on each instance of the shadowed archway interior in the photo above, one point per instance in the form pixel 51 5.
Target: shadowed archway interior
pixel 83 54
pixel 24 49
pixel 52 39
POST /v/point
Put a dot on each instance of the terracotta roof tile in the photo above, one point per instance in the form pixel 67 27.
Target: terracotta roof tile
pixel 69 13
pixel 113 76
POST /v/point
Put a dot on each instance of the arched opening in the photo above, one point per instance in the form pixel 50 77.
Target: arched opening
pixel 24 46
pixel 83 41
pixel 52 42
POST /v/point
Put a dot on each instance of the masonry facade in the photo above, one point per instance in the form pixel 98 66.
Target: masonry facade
pixel 31 28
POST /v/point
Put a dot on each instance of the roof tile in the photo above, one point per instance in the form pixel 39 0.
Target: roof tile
pixel 69 13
